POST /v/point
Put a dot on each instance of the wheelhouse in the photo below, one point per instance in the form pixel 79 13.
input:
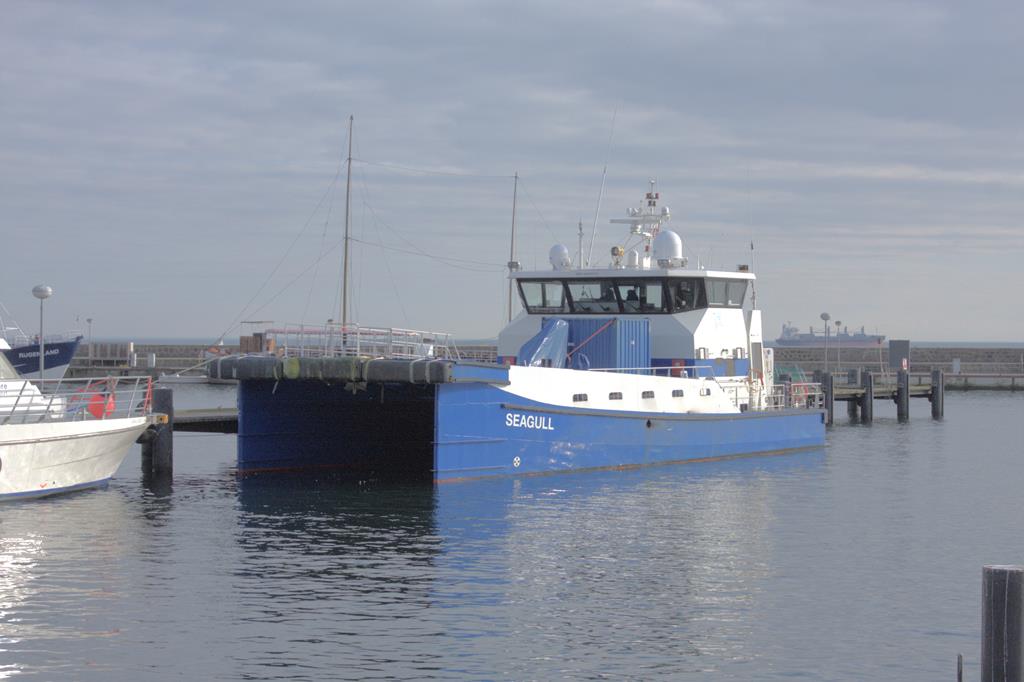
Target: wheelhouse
pixel 629 294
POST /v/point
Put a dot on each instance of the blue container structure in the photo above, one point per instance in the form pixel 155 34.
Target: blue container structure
pixel 610 343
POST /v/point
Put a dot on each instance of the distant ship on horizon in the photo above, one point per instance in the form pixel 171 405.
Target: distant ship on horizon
pixel 792 336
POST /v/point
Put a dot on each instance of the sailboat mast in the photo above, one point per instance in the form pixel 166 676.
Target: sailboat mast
pixel 344 265
pixel 512 246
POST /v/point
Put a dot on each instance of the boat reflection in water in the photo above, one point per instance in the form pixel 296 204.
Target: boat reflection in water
pixel 500 574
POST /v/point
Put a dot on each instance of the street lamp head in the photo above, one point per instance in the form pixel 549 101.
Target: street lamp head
pixel 826 317
pixel 42 291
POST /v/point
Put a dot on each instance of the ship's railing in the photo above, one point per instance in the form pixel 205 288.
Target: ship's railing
pixel 685 372
pixel 332 340
pixel 75 399
pixel 16 338
pixel 802 394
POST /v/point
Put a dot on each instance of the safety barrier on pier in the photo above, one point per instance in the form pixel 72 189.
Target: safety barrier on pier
pixel 336 340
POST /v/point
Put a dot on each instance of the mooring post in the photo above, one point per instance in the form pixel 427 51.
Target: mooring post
pixel 1002 624
pixel 903 395
pixel 830 404
pixel 938 395
pixel 867 399
pixel 162 444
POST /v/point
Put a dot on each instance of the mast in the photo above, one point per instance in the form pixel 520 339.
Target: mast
pixel 512 265
pixel 579 236
pixel 344 265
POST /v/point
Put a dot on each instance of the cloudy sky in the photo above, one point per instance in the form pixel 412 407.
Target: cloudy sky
pixel 173 168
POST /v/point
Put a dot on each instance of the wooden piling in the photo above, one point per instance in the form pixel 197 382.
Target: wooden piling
pixel 903 395
pixel 1002 624
pixel 851 409
pixel 938 395
pixel 867 400
pixel 161 445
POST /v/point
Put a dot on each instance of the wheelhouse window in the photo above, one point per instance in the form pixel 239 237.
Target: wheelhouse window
pixel 630 295
pixel 726 293
pixel 593 296
pixel 543 296
pixel 687 294
pixel 642 296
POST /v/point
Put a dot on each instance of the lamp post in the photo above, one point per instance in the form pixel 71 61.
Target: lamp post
pixel 839 348
pixel 42 292
pixel 88 322
pixel 825 318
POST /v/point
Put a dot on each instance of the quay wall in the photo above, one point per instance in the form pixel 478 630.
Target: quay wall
pixel 973 360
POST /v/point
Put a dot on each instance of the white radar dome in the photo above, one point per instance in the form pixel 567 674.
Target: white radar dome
pixel 668 250
pixel 559 258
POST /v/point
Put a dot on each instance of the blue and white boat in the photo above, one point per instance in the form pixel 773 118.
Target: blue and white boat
pixel 22 350
pixel 645 361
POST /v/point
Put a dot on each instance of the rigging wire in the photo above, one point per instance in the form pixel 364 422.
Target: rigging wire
pixel 427 171
pixel 323 240
pixel 297 277
pixel 245 309
pixel 445 260
pixel 387 264
pixel 522 185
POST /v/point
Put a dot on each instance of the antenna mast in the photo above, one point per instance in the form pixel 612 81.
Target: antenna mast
pixel 512 264
pixel 753 283
pixel 600 195
pixel 579 258
pixel 348 194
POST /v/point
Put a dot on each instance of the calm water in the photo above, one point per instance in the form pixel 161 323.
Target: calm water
pixel 861 561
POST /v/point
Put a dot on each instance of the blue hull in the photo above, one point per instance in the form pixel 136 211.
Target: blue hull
pixel 483 431
pixel 295 425
pixel 474 429
pixel 25 359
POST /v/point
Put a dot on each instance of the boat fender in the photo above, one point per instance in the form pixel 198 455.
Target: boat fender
pixel 291 367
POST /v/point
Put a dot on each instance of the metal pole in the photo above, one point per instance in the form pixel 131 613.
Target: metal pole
pixel 826 346
pixel 348 212
pixel 42 344
pixel 512 245
pixel 839 349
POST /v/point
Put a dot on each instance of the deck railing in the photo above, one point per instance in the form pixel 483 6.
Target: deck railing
pixel 333 340
pixel 75 399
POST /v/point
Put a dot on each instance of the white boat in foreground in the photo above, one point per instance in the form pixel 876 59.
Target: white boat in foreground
pixel 69 435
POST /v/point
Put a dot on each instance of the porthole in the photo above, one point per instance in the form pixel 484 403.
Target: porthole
pixel 647 395
pixel 677 393
pixel 615 396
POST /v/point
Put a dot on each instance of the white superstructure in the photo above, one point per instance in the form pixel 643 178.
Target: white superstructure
pixel 702 323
